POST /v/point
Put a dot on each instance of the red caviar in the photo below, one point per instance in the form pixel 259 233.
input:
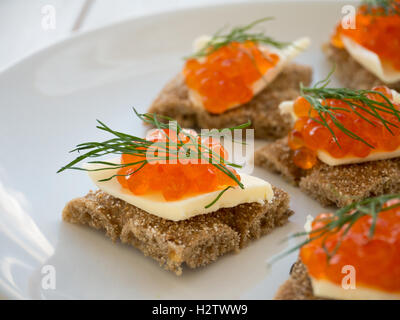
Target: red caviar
pixel 224 78
pixel 379 33
pixel 376 260
pixel 308 135
pixel 176 179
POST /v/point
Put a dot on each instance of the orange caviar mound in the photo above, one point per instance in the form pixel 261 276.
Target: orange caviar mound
pixel 309 135
pixel 176 178
pixel 224 78
pixel 377 32
pixel 376 260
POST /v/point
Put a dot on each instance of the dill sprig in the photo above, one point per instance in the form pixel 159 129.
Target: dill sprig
pixel 237 34
pixel 342 221
pixel 357 100
pixel 123 143
pixel 382 7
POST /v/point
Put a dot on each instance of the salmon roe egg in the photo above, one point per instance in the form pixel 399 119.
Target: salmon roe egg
pixel 376 259
pixel 301 107
pixel 225 77
pixel 304 158
pixel 377 32
pixel 295 140
pixel 309 135
pixel 176 179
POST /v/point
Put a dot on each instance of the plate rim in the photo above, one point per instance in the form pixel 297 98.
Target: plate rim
pixel 155 14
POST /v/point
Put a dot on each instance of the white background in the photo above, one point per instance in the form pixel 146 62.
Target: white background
pixel 21 31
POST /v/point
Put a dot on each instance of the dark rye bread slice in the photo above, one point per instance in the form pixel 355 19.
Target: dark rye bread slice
pixel 298 286
pixel 262 110
pixel 332 185
pixel 350 73
pixel 196 242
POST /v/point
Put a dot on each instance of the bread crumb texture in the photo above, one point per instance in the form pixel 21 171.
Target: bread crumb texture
pixel 352 74
pixel 298 287
pixel 262 110
pixel 195 242
pixel 333 185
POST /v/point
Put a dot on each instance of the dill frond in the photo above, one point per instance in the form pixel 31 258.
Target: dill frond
pixel 342 221
pixel 237 34
pixel 382 7
pixel 357 100
pixel 123 143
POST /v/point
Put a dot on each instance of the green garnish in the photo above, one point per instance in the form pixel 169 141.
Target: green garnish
pixel 217 198
pixel 237 34
pixel 357 100
pixel 382 7
pixel 123 143
pixel 342 221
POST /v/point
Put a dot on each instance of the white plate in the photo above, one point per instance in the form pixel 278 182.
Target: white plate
pixel 49 103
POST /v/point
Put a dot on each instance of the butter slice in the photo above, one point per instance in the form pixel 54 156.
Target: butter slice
pixel 371 61
pixel 286 107
pixel 373 156
pixel 327 289
pixel 286 55
pixel 255 190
